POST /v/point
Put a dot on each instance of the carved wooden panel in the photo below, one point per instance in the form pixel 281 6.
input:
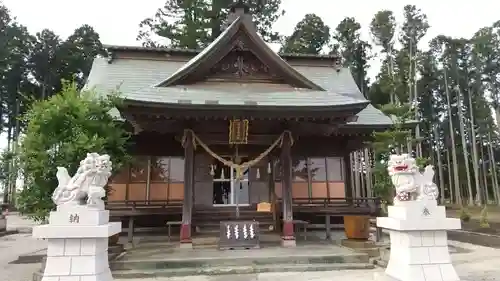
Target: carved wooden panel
pixel 241 64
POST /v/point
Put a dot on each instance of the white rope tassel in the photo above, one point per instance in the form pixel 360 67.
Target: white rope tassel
pixel 212 170
pixel 269 168
pixel 258 173
pixel 222 174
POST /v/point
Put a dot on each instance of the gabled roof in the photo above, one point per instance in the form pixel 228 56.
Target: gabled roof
pixel 218 49
pixel 167 78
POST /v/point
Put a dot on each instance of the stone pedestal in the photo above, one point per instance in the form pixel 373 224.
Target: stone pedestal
pixel 419 244
pixel 3 223
pixel 77 244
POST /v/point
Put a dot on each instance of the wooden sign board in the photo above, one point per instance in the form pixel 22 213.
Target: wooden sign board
pixel 264 207
pixel 239 235
pixel 238 131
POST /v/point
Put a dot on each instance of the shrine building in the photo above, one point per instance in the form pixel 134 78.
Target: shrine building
pixel 236 131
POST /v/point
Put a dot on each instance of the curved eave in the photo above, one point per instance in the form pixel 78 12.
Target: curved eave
pixel 356 107
pixel 157 108
pixel 378 127
pixel 243 22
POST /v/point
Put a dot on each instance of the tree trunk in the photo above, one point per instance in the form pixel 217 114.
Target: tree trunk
pixel 15 150
pixel 475 158
pixel 10 166
pixel 450 181
pixel 369 184
pixel 352 169
pixel 493 165
pixel 464 146
pixel 440 166
pixel 393 96
pixel 485 174
pixel 362 171
pixel 456 187
pixel 356 174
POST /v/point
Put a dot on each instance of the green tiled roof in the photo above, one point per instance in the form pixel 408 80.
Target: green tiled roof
pixel 166 82
pixel 135 79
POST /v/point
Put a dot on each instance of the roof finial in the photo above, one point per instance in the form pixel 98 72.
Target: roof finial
pixel 239 7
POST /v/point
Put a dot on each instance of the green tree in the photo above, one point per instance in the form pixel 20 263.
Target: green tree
pixel 15 48
pixel 193 24
pixel 355 52
pixel 383 30
pixel 45 62
pixel 60 131
pixel 78 53
pixel 386 143
pixel 53 59
pixel 414 27
pixel 310 35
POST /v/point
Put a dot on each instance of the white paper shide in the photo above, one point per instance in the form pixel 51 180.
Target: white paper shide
pixel 417 226
pixel 78 230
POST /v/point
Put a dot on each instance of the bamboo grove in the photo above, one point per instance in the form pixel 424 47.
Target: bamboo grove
pixel 448 88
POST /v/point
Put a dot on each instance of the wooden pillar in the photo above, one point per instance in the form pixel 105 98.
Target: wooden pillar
pixel 187 206
pixel 272 192
pixel 288 238
pixel 347 176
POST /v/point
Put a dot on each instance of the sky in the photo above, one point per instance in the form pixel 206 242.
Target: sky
pixel 117 21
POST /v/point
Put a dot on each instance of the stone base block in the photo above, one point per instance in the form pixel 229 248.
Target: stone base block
pixel 77 239
pixel 3 223
pixel 357 244
pixel 104 276
pixel 186 245
pixel 78 215
pixel 419 242
pixel 288 243
pixel 431 272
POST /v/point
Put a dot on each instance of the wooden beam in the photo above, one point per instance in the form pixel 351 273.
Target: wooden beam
pixel 223 139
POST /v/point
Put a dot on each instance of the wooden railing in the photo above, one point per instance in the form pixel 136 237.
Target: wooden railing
pixel 132 208
pixel 340 206
pixel 334 206
pixel 143 204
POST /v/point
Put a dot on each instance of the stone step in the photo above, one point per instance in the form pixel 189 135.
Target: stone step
pixel 230 218
pixel 371 252
pixel 248 269
pixel 241 260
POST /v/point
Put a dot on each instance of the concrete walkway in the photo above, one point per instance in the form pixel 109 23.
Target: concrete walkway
pixel 476 264
pixel 16 222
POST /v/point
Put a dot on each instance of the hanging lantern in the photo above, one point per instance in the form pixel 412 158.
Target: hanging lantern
pixel 238 131
pixel 212 170
pixel 258 173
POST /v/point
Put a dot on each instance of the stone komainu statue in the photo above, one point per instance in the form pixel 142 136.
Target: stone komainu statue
pixel 87 183
pixel 409 182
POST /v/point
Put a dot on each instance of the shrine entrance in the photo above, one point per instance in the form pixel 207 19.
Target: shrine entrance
pixel 227 189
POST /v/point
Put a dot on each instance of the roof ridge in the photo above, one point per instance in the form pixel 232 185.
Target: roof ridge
pixel 129 48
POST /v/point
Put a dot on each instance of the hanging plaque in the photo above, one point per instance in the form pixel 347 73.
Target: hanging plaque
pixel 238 131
